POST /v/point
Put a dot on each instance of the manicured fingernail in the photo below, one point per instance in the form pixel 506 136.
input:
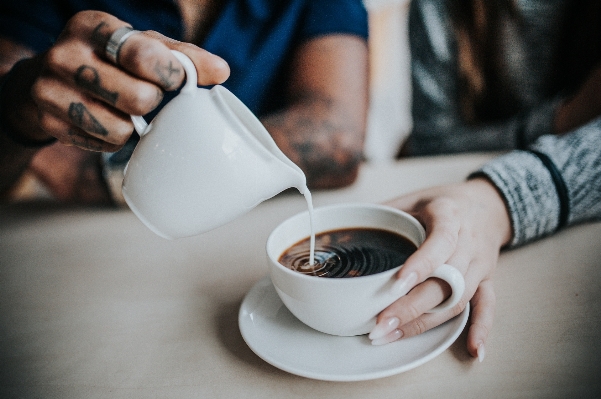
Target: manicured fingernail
pixel 403 285
pixel 481 353
pixel 384 327
pixel 391 337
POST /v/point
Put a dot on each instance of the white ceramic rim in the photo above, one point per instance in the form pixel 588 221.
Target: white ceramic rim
pixel 454 326
pixel 350 205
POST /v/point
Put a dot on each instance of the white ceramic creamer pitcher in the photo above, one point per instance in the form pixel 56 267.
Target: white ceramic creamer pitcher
pixel 203 161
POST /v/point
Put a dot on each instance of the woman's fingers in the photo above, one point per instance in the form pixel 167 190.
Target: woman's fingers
pixel 392 325
pixel 408 316
pixel 483 312
pixel 442 229
pixel 393 322
pixel 427 295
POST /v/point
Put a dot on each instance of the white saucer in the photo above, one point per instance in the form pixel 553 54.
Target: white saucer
pixel 279 338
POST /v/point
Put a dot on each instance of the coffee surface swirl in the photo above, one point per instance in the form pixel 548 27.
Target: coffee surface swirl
pixel 349 252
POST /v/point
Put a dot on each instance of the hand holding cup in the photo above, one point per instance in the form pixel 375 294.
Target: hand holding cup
pixel 349 305
pixel 467 225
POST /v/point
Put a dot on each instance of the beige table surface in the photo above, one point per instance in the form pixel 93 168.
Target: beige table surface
pixel 94 305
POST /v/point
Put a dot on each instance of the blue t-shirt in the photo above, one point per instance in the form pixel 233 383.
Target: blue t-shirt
pixel 255 37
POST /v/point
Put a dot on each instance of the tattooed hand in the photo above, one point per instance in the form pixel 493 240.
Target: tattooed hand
pixel 74 93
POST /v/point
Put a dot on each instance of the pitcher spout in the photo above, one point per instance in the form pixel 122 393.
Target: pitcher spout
pixel 289 175
pixel 282 169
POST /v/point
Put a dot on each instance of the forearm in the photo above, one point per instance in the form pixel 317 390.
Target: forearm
pixel 324 142
pixel 322 127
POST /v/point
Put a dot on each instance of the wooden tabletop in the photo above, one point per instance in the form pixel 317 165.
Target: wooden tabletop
pixel 94 305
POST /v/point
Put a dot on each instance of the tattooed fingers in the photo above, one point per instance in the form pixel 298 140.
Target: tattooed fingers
pixel 142 56
pixel 76 66
pixel 147 54
pixel 84 98
pixel 71 135
pixel 211 69
pixel 70 115
pixel 148 58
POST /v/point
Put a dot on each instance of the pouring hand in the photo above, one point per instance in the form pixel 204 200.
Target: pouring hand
pixel 466 226
pixel 83 99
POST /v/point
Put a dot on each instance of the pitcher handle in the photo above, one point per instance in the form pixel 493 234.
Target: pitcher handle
pixel 139 124
pixel 191 78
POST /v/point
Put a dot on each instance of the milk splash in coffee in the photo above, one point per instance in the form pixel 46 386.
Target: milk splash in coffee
pixel 349 252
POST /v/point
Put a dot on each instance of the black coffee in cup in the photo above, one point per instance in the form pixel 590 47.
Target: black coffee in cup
pixel 350 252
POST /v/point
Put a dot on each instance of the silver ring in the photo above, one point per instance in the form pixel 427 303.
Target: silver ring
pixel 116 41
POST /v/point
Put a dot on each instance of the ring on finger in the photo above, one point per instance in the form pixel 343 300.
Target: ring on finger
pixel 116 41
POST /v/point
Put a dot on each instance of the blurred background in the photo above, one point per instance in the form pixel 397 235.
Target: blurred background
pixel 389 120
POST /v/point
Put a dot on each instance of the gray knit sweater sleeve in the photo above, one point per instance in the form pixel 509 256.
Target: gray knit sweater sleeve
pixel 437 123
pixel 530 192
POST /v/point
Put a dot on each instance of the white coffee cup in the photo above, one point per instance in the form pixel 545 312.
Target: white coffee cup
pixel 203 161
pixel 346 306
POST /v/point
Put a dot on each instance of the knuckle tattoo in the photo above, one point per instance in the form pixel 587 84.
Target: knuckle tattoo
pixel 87 78
pixel 100 35
pixel 83 118
pixel 167 73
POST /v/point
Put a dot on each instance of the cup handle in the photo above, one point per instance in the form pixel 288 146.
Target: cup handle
pixel 455 279
pixel 191 78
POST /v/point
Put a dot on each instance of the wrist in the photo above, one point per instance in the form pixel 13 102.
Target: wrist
pixel 493 203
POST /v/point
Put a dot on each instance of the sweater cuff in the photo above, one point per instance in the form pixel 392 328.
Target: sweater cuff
pixel 529 193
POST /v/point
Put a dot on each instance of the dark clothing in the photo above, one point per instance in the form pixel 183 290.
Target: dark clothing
pixel 255 37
